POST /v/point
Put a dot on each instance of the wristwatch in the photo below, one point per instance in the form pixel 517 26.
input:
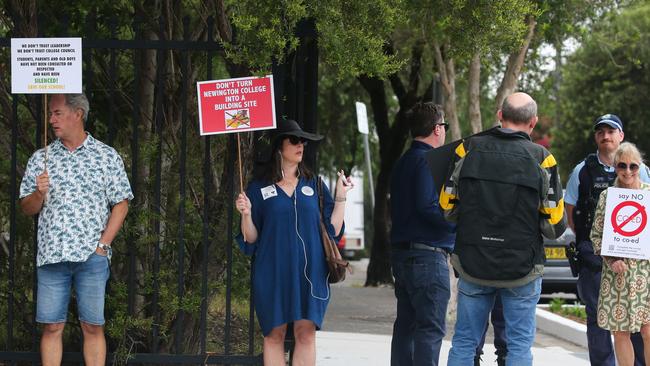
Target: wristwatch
pixel 106 248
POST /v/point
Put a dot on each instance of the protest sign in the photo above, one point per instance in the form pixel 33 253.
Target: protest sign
pixel 46 65
pixel 625 230
pixel 236 105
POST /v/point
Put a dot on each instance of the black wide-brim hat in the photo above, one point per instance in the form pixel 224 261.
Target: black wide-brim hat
pixel 289 127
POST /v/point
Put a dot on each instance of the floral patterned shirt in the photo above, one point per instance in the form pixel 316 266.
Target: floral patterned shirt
pixel 84 185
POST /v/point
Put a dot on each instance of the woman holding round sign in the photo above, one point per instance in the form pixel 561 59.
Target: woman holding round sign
pixel 623 302
pixel 280 225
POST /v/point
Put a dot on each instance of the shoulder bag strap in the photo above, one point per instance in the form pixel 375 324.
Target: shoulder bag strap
pixel 319 189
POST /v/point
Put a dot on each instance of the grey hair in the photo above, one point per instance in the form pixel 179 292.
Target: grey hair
pixel 628 149
pixel 518 115
pixel 78 101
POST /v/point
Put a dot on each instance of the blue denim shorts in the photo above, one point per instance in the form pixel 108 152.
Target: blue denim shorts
pixel 89 281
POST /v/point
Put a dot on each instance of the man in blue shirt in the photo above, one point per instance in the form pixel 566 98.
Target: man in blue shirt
pixel 421 240
pixel 588 179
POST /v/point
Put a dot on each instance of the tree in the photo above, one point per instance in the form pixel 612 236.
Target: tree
pixel 256 36
pixel 607 74
pixel 458 39
pixel 435 35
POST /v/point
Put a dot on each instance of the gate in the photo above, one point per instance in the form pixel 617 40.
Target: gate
pixel 178 292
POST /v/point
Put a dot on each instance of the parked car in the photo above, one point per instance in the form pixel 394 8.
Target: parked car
pixel 557 273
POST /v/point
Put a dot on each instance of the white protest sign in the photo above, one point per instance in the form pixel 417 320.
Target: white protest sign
pixel 46 66
pixel 625 231
pixel 362 118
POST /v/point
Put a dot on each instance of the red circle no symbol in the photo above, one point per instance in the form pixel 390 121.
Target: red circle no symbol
pixel 618 226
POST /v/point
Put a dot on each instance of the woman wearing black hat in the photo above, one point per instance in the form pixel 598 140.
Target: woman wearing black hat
pixel 280 225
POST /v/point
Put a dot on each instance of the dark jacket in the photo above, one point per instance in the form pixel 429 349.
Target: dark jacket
pixel 491 164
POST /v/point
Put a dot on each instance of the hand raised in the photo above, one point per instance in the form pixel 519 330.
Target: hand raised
pixel 43 183
pixel 243 204
pixel 343 185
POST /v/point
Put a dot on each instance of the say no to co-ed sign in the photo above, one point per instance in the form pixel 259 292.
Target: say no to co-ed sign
pixel 625 232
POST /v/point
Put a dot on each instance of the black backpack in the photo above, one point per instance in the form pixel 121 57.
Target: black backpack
pixel 500 191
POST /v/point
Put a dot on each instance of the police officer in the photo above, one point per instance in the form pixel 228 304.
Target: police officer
pixel 590 177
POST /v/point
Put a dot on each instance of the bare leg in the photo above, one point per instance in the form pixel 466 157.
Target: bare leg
pixel 305 333
pixel 94 344
pixel 274 346
pixel 645 334
pixel 623 348
pixel 52 344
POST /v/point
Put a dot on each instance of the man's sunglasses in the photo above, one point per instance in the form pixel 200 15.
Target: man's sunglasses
pixel 445 125
pixel 295 140
pixel 633 166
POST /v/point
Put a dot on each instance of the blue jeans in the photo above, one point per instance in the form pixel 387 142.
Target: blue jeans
pixel 498 326
pixel 422 292
pixel 601 350
pixel 54 285
pixel 474 305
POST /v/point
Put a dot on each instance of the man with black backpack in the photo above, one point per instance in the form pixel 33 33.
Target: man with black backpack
pixel 589 178
pixel 504 194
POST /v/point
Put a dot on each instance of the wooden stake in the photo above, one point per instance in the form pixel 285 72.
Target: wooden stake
pixel 45 128
pixel 241 179
pixel 45 199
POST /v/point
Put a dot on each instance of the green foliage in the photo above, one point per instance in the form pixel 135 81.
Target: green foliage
pixel 264 30
pixel 556 305
pixel 351 34
pixel 577 310
pixel 471 26
pixel 608 74
pixel 129 333
pixel 560 19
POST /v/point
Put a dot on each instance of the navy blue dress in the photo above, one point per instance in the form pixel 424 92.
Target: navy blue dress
pixel 285 288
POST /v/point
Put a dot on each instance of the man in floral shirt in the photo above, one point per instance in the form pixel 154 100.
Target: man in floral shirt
pixel 80 190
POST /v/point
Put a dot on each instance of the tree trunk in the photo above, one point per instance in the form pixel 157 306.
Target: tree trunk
pixel 391 144
pixel 557 81
pixel 450 102
pixel 515 63
pixel 145 89
pixel 447 73
pixel 24 17
pixel 379 265
pixel 474 90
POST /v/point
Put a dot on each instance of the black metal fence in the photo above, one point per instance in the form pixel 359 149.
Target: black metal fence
pixel 175 254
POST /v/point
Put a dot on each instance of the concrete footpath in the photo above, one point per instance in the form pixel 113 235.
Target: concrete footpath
pixel 340 349
pixel 358 326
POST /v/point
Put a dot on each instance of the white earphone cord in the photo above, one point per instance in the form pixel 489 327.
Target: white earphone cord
pixel 304 247
pixel 304 250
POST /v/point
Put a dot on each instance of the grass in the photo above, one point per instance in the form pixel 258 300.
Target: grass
pixel 575 312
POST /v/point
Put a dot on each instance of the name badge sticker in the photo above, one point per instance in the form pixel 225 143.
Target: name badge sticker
pixel 268 192
pixel 307 191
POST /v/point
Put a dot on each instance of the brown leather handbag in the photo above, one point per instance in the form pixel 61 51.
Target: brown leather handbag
pixel 335 262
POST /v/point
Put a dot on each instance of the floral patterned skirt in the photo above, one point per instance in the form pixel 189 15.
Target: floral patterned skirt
pixel 624 299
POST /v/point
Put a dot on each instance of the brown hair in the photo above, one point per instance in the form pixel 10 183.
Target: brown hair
pixel 273 173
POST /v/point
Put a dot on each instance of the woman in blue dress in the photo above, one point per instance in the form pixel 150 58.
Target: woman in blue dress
pixel 280 225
